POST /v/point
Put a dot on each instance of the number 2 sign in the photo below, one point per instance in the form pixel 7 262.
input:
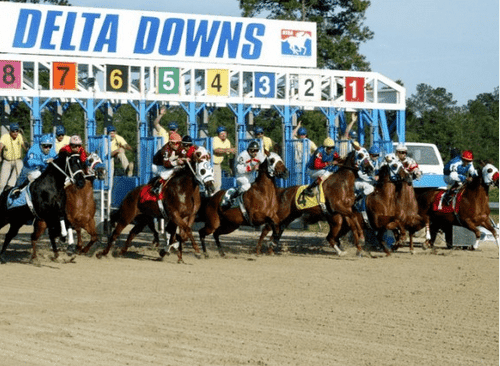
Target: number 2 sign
pixel 64 75
pixel 354 89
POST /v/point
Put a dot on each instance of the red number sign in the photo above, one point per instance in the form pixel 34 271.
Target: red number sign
pixel 354 89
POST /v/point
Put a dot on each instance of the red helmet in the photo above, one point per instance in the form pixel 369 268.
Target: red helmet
pixel 467 155
pixel 174 137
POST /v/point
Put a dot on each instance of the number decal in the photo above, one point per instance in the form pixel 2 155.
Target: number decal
pixel 217 82
pixel 264 84
pixel 64 75
pixel 10 74
pixel 354 89
pixel 168 80
pixel 309 87
pixel 117 78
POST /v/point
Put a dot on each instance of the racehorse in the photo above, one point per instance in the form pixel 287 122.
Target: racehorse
pixel 470 208
pixel 382 208
pixel 80 205
pixel 260 203
pixel 339 197
pixel 46 196
pixel 179 202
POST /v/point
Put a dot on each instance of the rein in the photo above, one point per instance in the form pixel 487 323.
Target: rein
pixel 68 177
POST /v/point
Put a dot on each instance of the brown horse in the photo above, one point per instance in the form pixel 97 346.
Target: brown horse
pixel 383 211
pixel 179 203
pixel 339 198
pixel 471 209
pixel 260 203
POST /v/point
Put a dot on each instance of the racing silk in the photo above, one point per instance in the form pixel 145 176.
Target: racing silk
pixel 410 165
pixel 244 174
pixel 81 151
pixel 190 151
pixel 168 157
pixel 320 159
pixel 36 159
pixel 459 172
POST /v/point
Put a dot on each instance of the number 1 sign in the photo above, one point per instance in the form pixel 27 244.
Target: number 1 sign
pixel 354 89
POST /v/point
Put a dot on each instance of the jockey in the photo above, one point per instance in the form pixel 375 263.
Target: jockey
pixel 36 160
pixel 321 165
pixel 368 173
pixel 167 161
pixel 247 162
pixel 456 172
pixel 409 164
pixel 188 146
pixel 75 147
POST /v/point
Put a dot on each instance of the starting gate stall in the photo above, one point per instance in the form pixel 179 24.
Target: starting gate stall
pixel 105 57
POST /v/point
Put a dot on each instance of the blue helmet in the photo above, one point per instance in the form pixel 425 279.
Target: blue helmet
pixel 14 127
pixel 302 131
pixel 60 130
pixel 46 139
pixel 353 134
pixel 374 150
pixel 173 126
pixel 111 128
pixel 258 130
pixel 221 129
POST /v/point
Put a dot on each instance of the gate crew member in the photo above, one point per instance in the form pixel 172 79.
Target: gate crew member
pixel 11 146
pixel 456 172
pixel 61 138
pixel 267 143
pixel 222 147
pixel 321 165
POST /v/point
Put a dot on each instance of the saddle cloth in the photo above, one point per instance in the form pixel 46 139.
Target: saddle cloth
pixel 146 195
pixel 302 201
pixel 21 200
pixel 447 208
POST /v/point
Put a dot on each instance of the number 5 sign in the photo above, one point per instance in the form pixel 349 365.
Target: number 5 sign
pixel 354 89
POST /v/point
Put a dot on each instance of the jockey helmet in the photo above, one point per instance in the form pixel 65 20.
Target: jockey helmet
pixel 172 126
pixel 111 128
pixel 302 132
pixel 374 150
pixel 60 130
pixel 221 129
pixel 253 145
pixel 14 127
pixel 175 137
pixel 75 140
pixel 328 142
pixel 187 140
pixel 353 134
pixel 467 155
pixel 46 140
pixel 258 130
pixel 401 147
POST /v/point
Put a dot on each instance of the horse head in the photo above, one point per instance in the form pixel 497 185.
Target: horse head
pixel 275 165
pixel 394 171
pixel 490 175
pixel 72 167
pixel 95 166
pixel 204 171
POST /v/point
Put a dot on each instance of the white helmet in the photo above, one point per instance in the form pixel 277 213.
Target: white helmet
pixel 401 147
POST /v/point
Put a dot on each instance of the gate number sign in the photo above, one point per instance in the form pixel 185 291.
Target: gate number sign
pixel 10 74
pixel 354 89
pixel 117 78
pixel 64 75
pixel 217 82
pixel 168 80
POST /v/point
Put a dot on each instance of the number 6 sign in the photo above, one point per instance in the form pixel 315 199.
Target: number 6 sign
pixel 354 89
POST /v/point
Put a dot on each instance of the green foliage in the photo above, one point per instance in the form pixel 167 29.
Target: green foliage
pixel 340 29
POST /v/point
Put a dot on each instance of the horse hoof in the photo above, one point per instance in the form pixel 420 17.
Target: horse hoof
pixel 163 253
pixel 179 261
pixel 206 255
pixel 99 255
pixel 359 254
pixel 197 255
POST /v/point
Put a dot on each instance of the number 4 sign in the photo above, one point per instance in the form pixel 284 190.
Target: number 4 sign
pixel 354 89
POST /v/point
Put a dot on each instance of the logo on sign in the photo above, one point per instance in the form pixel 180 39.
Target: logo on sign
pixel 296 42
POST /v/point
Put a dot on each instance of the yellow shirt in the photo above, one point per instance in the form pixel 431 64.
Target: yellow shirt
pixel 12 149
pixel 63 142
pixel 163 133
pixel 118 142
pixel 217 143
pixel 267 143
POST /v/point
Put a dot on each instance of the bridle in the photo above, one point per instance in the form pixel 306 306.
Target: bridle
pixel 68 172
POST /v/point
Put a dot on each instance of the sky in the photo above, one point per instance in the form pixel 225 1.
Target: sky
pixel 451 44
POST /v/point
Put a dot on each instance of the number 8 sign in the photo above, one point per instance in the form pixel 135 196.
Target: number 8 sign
pixel 10 74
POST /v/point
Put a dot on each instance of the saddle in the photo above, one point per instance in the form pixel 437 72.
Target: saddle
pixel 233 200
pixel 454 203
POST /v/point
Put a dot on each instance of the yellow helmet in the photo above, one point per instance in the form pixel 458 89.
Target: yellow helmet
pixel 329 142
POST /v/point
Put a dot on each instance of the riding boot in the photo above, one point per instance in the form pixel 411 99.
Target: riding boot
pixel 309 189
pixel 231 199
pixel 156 186
pixel 16 191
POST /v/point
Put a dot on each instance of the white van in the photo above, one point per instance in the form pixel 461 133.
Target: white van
pixel 429 161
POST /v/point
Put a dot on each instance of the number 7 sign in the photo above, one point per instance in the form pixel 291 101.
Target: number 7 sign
pixel 354 89
pixel 64 75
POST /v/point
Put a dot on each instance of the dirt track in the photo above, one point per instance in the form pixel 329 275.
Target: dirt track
pixel 306 308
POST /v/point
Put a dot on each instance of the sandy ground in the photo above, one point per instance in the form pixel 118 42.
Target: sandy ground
pixel 308 307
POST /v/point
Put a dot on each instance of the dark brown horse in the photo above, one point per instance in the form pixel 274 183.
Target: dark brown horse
pixel 471 209
pixel 382 208
pixel 179 204
pixel 339 198
pixel 260 203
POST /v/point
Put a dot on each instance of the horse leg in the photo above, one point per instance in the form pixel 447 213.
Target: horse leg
pixel 38 229
pixel 13 230
pixel 472 227
pixel 94 237
pixel 263 234
pixel 335 223
pixel 211 224
pixel 156 236
pixel 112 238
pixel 137 229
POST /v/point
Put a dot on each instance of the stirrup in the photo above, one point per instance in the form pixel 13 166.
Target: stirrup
pixel 309 192
pixel 16 192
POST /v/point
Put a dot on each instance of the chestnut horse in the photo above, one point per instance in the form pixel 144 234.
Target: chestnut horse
pixel 80 205
pixel 471 209
pixel 260 203
pixel 339 198
pixel 45 198
pixel 382 208
pixel 179 203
